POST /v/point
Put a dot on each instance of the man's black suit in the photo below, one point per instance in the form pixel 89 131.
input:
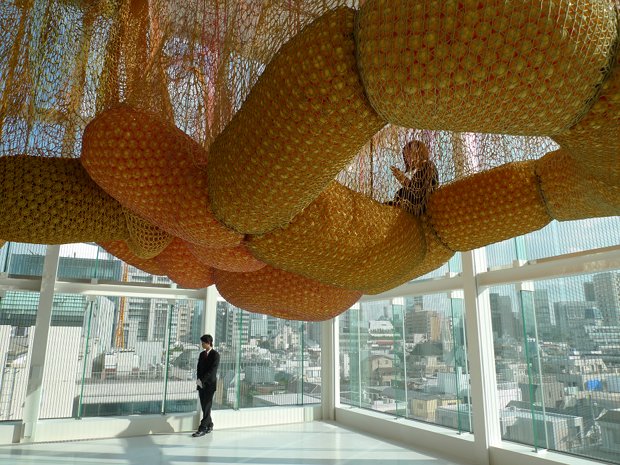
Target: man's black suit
pixel 206 372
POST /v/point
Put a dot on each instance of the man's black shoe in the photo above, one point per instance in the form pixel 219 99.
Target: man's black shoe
pixel 200 432
pixel 209 429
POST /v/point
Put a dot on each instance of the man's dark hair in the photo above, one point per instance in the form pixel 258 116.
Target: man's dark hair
pixel 207 339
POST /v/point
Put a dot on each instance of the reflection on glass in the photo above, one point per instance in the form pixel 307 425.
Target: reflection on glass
pixel 557 346
pixel 265 361
pixel 407 357
pixel 557 238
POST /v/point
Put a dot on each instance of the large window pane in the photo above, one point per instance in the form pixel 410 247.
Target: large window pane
pixel 228 335
pixel 148 365
pixel 18 259
pixel 98 363
pixel 183 321
pixel 89 261
pixel 453 265
pixel 407 357
pixel 265 361
pixel 557 238
pixel 64 359
pixel 557 346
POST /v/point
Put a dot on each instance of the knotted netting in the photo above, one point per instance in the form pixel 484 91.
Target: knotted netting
pixel 347 144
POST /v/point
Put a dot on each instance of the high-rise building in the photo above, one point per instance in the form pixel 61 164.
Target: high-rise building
pixel 505 322
pixel 423 325
pixel 588 291
pixel 185 314
pixel 415 303
pixel 313 331
pixel 545 318
pixel 607 293
pixel 573 316
pixel 232 325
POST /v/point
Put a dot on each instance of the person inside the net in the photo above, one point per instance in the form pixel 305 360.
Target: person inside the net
pixel 416 188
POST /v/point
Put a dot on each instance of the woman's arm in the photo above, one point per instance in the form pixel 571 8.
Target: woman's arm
pixel 400 176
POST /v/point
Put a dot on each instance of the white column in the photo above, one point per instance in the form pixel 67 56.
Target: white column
pixel 35 386
pixel 330 368
pixel 210 316
pixel 481 357
pixel 167 336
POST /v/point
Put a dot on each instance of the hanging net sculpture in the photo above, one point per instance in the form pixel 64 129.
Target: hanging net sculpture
pixel 300 153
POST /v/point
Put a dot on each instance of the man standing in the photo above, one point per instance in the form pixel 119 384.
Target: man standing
pixel 206 382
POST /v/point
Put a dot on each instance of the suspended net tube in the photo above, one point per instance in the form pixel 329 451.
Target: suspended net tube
pixel 265 193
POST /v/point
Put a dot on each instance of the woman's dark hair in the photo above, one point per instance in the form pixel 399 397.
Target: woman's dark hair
pixel 414 150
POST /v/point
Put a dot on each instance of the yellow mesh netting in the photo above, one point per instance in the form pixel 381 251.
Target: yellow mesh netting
pixel 303 122
pixel 508 67
pixel 227 258
pixel 192 61
pixel 121 250
pixel 572 193
pixel 595 141
pixel 145 239
pixel 345 239
pixel 256 105
pixel 489 207
pixel 149 167
pixel 182 267
pixel 436 254
pixel 455 155
pixel 283 294
pixel 54 201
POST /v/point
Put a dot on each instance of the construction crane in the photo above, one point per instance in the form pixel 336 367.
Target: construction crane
pixel 120 327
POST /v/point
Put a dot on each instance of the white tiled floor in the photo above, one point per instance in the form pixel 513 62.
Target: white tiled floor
pixel 315 443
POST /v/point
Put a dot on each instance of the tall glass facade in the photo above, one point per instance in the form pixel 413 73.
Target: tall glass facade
pixel 555 344
pixel 265 361
pixel 556 347
pixel 557 355
pixel 127 355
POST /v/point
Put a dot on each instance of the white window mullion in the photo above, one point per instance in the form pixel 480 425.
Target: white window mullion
pixel 330 368
pixel 34 390
pixel 481 357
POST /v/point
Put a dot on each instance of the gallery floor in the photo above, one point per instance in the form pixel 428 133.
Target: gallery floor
pixel 315 443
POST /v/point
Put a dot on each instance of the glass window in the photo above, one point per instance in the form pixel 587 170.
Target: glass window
pixel 19 260
pixel 407 357
pixel 16 333
pixel 557 238
pixel 266 361
pixel 120 356
pixel 556 346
